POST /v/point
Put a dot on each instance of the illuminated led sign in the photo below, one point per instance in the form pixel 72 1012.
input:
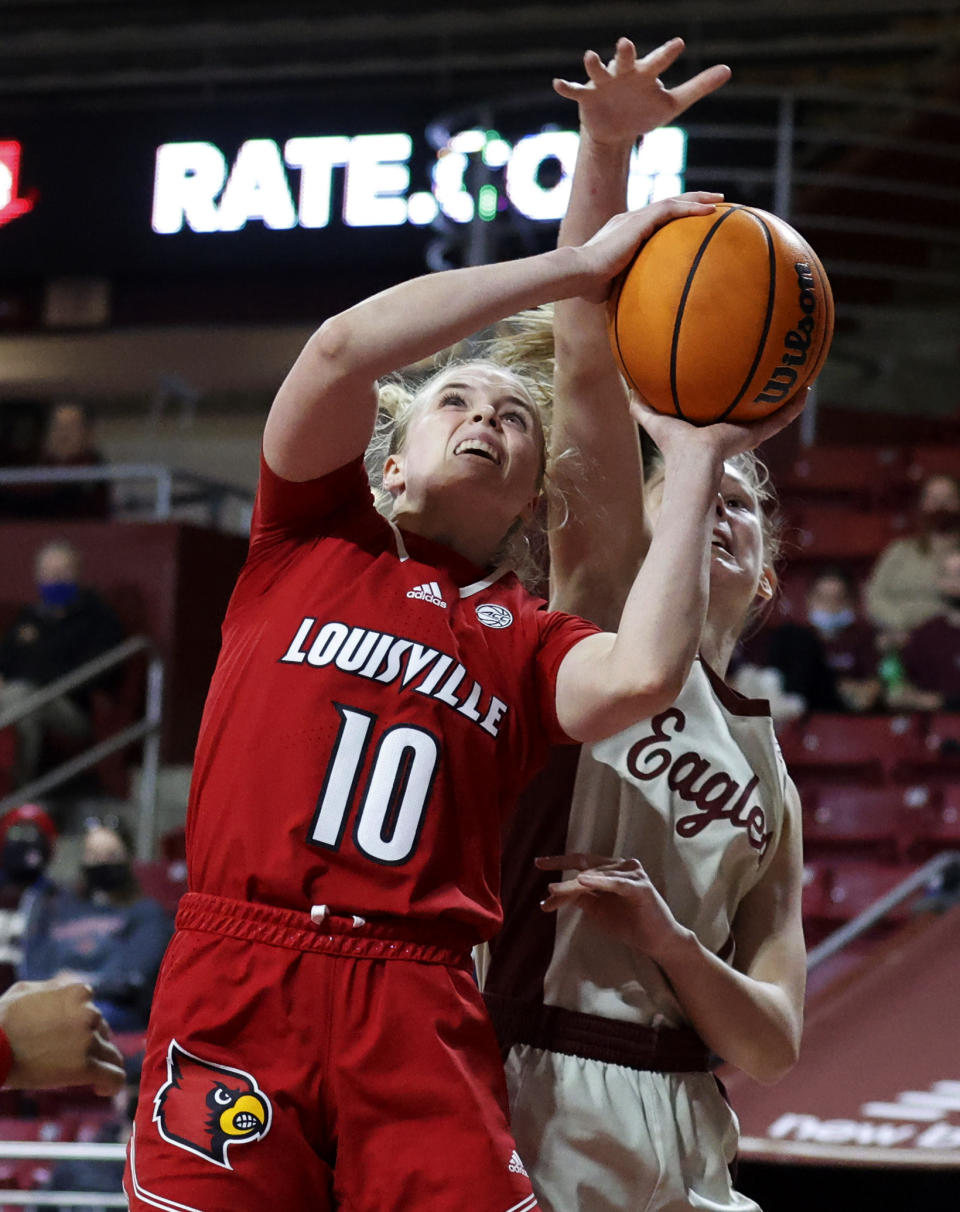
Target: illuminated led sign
pixel 11 205
pixel 476 174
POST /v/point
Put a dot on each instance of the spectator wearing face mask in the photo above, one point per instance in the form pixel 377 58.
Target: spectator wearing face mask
pixel 27 838
pixel 67 625
pixel 849 642
pixel 107 933
pixel 931 656
pixel 902 590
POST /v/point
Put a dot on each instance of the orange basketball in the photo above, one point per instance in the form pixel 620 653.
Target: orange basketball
pixel 722 316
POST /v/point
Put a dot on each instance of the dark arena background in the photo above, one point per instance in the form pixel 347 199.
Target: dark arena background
pixel 187 190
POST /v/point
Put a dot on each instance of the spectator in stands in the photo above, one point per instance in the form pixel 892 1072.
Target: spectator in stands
pixel 107 933
pixel 902 590
pixel 849 642
pixel 67 626
pixel 67 442
pixel 931 656
pixel 795 653
pixel 51 1035
pixel 27 838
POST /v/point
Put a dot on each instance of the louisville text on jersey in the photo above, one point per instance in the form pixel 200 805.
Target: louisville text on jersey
pixel 386 658
pixel 715 794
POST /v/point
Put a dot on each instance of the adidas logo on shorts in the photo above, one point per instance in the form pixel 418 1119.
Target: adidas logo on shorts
pixel 516 1165
pixel 429 591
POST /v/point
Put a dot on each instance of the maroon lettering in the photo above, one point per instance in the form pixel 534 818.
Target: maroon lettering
pixel 715 794
pixel 661 757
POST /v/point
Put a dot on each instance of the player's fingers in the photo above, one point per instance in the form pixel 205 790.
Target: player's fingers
pixel 105 1077
pixel 103 1048
pixel 594 67
pixel 77 990
pixel 619 882
pixel 565 894
pixel 662 57
pixel 624 57
pixel 705 82
pixel 569 90
pixel 572 862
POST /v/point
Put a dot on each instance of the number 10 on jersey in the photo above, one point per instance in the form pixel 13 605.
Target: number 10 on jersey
pixel 389 790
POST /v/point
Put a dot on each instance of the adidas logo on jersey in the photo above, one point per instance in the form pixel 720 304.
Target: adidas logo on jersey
pixel 516 1165
pixel 429 591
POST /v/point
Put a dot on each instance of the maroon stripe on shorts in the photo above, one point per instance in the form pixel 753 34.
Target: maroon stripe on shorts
pixel 556 1029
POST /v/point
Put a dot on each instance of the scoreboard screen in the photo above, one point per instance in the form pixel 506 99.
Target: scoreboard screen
pixel 265 193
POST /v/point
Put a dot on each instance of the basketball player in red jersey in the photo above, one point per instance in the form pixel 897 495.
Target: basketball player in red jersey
pixel 383 692
pixel 675 929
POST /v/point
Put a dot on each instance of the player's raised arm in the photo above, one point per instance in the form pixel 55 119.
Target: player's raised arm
pixel 609 681
pixel 596 552
pixel 324 412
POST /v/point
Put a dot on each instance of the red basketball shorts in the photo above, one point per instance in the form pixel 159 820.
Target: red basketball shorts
pixel 292 1068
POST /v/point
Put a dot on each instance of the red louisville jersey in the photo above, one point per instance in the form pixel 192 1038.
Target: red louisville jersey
pixel 377 706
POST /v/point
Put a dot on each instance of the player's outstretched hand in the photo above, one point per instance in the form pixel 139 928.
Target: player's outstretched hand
pixel 58 1038
pixel 726 438
pixel 626 98
pixel 618 895
pixel 605 254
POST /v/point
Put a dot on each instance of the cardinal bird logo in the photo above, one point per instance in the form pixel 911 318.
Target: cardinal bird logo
pixel 204 1107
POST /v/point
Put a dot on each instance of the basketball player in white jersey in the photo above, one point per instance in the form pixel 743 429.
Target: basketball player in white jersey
pixel 672 931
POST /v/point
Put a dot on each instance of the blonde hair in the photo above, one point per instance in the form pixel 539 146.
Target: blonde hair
pixel 399 400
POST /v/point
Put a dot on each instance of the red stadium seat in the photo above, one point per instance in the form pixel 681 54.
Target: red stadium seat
pixel 855 885
pixel 940 825
pixel 826 748
pixel 937 758
pixel 933 460
pixel 862 475
pixel 824 532
pixel 815 905
pixel 165 882
pixel 22 1127
pixel 877 821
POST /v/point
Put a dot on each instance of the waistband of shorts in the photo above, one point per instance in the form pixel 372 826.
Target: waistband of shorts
pixel 426 942
pixel 592 1037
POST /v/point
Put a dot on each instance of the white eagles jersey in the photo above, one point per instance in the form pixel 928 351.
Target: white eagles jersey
pixel 697 795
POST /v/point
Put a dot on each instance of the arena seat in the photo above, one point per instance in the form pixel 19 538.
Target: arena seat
pixel 856 884
pixel 826 748
pixel 825 532
pixel 857 475
pixel 164 881
pixel 939 828
pixel 937 758
pixel 930 460
pixel 876 821
pixel 112 707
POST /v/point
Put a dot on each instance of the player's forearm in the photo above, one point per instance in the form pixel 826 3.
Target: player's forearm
pixel 750 1023
pixel 414 319
pixel 593 555
pixel 642 669
pixel 599 187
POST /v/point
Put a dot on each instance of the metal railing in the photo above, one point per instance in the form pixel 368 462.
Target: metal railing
pixel 880 908
pixel 53 1151
pixel 146 729
pixel 170 488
